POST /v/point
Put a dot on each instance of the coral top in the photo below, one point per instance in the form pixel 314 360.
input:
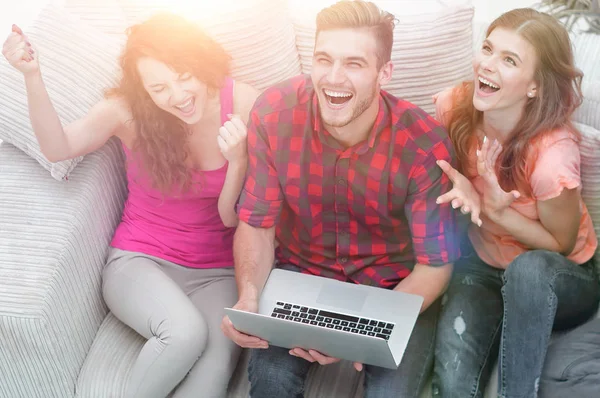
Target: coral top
pixel 553 165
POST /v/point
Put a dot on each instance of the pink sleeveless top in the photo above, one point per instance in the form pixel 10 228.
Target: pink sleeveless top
pixel 184 229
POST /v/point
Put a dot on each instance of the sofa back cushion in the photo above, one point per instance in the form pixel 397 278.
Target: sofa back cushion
pixel 258 34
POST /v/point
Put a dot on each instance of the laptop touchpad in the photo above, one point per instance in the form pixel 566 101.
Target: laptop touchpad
pixel 340 296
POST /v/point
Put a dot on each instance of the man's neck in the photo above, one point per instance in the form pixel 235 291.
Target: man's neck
pixel 357 130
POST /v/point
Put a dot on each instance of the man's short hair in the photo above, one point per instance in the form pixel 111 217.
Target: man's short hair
pixel 348 14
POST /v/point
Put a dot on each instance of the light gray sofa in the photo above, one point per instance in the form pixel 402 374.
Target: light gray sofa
pixel 57 339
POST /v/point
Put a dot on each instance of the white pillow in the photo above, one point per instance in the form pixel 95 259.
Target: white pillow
pixel 258 34
pixel 590 175
pixel 106 15
pixel 432 49
pixel 77 62
pixel 589 111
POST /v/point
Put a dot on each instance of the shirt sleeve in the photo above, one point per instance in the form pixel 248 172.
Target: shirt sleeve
pixel 261 198
pixel 557 167
pixel 433 226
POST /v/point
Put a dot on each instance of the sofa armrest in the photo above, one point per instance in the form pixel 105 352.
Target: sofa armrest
pixel 54 238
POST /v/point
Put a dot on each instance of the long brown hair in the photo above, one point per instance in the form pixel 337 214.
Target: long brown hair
pixel 558 95
pixel 161 138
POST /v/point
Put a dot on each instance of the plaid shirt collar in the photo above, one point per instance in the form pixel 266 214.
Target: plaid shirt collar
pixel 381 122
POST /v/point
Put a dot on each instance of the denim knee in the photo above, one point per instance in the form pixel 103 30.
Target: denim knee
pixel 273 372
pixel 531 268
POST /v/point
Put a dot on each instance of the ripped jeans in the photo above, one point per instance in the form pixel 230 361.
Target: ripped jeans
pixel 488 312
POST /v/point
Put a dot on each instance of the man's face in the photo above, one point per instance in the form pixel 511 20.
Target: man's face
pixel 345 74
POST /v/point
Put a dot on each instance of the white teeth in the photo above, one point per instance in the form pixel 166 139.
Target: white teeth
pixel 185 104
pixel 487 82
pixel 337 94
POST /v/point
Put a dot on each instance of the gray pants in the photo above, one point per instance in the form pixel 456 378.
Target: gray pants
pixel 179 310
pixel 572 367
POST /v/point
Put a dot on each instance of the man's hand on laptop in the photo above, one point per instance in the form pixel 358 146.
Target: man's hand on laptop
pixel 241 339
pixel 315 356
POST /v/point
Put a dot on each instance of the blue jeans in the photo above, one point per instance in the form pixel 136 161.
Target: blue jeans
pixel 273 372
pixel 489 312
pixel 572 367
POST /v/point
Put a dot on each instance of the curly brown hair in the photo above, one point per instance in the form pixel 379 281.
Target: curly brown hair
pixel 161 138
pixel 559 94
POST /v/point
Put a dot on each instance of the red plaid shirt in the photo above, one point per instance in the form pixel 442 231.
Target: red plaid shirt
pixel 365 214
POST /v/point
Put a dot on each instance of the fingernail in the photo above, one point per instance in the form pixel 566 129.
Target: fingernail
pixel 479 223
pixel 437 201
pixel 478 152
pixel 484 138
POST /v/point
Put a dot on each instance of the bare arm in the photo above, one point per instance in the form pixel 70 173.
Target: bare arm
pixel 78 138
pixel 426 281
pixel 234 180
pixel 253 252
pixel 555 231
pixel 233 146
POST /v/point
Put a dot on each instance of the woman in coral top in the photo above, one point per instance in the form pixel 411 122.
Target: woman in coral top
pixel 526 268
pixel 169 271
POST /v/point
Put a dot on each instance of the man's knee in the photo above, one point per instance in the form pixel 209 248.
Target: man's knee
pixel 274 372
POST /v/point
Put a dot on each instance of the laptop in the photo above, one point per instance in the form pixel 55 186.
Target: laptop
pixel 343 320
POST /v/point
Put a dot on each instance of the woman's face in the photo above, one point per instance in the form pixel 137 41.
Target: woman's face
pixel 180 94
pixel 504 72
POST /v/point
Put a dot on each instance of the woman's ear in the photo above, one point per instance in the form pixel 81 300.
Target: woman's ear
pixel 532 91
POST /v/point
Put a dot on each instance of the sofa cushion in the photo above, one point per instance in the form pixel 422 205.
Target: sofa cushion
pixel 590 175
pixel 587 58
pixel 53 245
pixel 116 346
pixel 256 33
pixel 431 51
pixel 109 361
pixel 107 15
pixel 77 62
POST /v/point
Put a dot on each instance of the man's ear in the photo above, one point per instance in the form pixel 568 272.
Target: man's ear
pixel 385 73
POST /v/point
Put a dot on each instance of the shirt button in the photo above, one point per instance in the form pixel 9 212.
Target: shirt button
pixel 343 260
pixel 341 181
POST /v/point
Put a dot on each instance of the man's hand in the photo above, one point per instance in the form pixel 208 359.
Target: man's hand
pixel 241 339
pixel 315 356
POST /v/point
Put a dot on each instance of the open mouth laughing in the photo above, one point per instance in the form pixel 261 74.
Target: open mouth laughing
pixel 487 86
pixel 337 98
pixel 188 107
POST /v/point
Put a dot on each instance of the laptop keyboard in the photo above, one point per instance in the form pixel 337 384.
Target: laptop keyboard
pixel 333 320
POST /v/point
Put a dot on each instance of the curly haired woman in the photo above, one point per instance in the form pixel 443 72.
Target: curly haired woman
pixel 169 272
